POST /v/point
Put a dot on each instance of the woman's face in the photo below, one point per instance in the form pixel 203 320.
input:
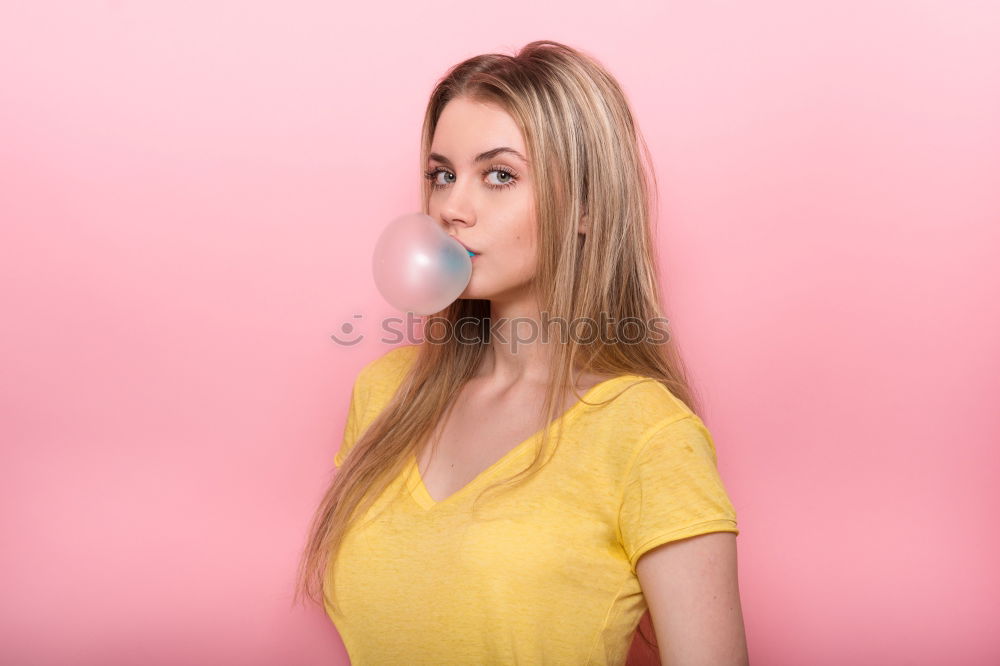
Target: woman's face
pixel 482 192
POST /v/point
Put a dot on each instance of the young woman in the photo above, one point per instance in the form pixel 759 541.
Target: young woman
pixel 520 488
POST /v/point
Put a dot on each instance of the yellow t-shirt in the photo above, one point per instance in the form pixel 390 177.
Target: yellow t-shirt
pixel 552 579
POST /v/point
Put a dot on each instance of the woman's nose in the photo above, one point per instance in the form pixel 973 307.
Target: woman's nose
pixel 458 208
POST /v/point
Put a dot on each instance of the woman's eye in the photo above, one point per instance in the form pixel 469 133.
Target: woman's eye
pixel 435 175
pixel 432 175
pixel 504 178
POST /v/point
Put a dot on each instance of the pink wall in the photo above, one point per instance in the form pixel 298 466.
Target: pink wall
pixel 189 196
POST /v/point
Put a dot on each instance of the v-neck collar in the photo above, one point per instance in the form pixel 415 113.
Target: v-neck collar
pixel 418 490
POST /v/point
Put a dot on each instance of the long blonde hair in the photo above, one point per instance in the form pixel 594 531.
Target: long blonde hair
pixel 588 158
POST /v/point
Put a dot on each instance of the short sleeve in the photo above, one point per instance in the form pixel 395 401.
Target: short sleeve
pixel 353 423
pixel 673 489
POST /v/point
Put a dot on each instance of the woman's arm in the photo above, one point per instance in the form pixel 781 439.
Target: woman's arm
pixel 692 591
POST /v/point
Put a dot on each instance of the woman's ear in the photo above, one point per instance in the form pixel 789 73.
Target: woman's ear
pixel 583 225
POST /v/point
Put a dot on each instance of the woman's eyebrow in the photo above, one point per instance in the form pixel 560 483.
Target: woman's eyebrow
pixel 481 157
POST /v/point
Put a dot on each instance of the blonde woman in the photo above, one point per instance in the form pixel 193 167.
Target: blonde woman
pixel 529 480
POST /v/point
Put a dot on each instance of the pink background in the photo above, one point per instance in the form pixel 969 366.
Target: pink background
pixel 189 197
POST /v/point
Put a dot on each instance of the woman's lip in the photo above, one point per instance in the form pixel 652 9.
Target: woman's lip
pixel 465 246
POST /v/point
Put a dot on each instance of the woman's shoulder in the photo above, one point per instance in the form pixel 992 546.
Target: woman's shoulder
pixel 387 370
pixel 639 395
pixel 625 410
